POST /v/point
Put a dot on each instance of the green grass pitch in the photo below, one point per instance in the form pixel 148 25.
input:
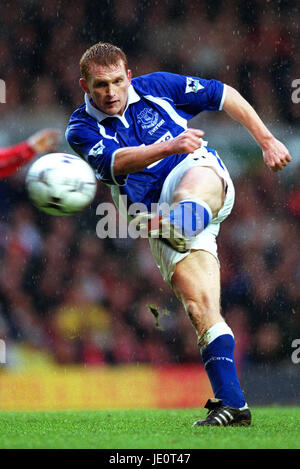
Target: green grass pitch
pixel 273 428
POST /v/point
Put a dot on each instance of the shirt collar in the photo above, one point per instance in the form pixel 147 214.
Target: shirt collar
pixel 133 97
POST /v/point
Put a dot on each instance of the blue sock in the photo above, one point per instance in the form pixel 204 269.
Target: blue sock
pixel 217 346
pixel 191 217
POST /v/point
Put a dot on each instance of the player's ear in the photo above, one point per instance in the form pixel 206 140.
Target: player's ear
pixel 84 85
pixel 129 75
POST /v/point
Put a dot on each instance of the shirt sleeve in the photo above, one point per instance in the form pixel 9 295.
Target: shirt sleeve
pixel 191 94
pixel 97 150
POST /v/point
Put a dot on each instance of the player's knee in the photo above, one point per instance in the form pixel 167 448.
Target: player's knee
pixel 182 194
pixel 202 183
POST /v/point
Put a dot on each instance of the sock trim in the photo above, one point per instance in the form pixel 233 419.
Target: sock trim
pixel 219 359
pixel 199 202
pixel 220 328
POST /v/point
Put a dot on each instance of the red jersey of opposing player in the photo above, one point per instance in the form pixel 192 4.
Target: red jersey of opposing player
pixel 11 158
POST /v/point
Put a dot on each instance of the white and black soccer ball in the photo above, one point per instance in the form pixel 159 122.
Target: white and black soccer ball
pixel 61 184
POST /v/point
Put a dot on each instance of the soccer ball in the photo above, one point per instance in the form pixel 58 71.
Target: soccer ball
pixel 61 184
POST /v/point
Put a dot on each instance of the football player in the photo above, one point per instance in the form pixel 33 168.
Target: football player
pixel 133 132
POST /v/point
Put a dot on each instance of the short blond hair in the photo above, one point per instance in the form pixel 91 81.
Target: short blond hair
pixel 102 53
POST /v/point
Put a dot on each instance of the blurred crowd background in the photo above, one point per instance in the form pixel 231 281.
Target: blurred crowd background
pixel 250 44
pixel 67 296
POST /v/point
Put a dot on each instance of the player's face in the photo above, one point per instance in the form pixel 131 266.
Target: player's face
pixel 108 87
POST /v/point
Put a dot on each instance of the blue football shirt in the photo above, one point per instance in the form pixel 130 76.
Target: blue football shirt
pixel 158 108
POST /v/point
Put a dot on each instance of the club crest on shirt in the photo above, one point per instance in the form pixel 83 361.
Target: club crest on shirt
pixel 148 118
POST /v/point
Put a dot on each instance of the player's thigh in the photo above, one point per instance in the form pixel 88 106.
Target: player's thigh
pixel 202 182
pixel 196 282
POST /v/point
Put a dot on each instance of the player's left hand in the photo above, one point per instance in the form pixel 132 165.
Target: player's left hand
pixel 45 140
pixel 276 155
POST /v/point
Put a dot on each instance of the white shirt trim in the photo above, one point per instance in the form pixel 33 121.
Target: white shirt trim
pixel 112 169
pixel 223 97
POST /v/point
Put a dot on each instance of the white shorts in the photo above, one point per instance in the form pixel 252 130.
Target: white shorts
pixel 166 257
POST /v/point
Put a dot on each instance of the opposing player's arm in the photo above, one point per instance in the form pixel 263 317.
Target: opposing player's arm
pixel 275 154
pixel 45 140
pixel 132 159
pixel 13 157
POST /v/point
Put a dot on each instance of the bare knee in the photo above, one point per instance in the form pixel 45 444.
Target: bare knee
pixel 182 193
pixel 203 183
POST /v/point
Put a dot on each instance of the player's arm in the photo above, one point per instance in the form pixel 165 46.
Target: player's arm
pixel 44 141
pixel 132 159
pixel 275 154
pixel 11 158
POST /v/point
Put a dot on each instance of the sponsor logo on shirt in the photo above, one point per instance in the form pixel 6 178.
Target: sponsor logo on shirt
pixel 158 125
pixel 163 138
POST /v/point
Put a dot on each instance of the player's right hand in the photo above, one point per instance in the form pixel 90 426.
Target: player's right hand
pixel 276 155
pixel 187 142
